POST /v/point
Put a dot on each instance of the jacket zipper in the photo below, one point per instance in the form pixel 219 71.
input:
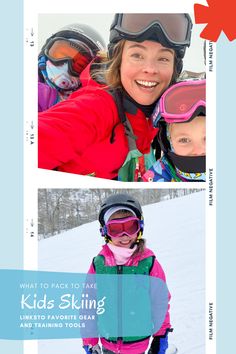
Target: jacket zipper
pixel 119 305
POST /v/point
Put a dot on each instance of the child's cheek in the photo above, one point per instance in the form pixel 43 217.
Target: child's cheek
pixel 180 149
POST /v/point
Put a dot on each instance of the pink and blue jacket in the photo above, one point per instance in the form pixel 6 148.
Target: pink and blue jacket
pixel 156 271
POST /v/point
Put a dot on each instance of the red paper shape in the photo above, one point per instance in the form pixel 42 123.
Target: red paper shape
pixel 220 15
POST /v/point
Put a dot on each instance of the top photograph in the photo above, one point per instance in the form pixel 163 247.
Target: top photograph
pixel 122 96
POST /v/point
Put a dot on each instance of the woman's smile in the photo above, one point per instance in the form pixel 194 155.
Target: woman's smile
pixel 147 84
pixel 146 70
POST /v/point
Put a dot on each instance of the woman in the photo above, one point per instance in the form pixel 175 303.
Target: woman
pixel 104 129
pixel 58 74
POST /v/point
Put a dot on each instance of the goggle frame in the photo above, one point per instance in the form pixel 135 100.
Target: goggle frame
pixel 123 221
pixel 160 112
pixel 132 35
pixel 66 59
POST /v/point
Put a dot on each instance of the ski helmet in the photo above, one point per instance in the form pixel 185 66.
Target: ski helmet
pixel 79 36
pixel 81 32
pixel 123 200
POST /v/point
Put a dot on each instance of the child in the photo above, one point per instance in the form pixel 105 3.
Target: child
pixel 62 59
pixel 180 116
pixel 122 228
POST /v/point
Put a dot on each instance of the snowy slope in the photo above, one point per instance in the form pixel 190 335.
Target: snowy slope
pixel 175 231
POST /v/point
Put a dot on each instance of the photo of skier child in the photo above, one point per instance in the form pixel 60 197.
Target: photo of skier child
pixel 181 118
pixel 121 220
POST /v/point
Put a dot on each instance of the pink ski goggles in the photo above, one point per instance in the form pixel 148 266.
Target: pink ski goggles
pixel 119 227
pixel 180 101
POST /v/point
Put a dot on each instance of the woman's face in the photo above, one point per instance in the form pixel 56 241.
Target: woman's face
pixel 146 70
pixel 189 139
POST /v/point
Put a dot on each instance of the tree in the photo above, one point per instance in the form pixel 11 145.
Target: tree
pixel 64 209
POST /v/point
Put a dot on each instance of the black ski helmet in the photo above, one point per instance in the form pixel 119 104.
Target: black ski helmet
pixel 121 199
pixel 81 32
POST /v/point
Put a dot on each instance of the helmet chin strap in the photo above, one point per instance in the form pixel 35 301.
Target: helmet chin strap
pixel 139 237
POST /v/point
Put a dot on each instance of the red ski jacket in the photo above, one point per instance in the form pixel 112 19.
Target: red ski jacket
pixel 84 135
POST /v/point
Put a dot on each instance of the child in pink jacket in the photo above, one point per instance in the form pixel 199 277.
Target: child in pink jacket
pixel 121 222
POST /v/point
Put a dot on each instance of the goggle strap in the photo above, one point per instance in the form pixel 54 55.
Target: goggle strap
pixel 42 63
pixel 103 231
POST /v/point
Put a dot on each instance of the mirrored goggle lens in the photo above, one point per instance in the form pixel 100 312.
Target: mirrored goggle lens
pixel 181 100
pixel 129 226
pixel 176 26
pixel 67 50
pixel 80 62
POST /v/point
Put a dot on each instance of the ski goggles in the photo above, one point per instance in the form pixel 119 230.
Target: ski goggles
pixel 77 54
pixel 119 227
pixel 175 27
pixel 180 102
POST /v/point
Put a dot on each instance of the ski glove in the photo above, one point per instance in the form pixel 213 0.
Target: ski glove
pixel 94 350
pixel 159 345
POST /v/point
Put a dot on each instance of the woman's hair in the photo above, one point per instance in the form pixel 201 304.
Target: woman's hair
pixel 109 69
pixel 176 71
pixel 111 73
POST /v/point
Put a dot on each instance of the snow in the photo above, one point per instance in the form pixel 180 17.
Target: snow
pixel 175 231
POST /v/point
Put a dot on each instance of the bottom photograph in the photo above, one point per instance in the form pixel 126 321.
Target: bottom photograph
pixel 125 271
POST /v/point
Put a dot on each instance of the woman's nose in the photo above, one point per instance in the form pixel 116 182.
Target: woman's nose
pixel 151 66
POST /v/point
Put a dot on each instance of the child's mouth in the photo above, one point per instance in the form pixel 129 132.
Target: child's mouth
pixel 125 242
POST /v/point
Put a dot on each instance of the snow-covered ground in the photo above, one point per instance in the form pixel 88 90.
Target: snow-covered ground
pixel 175 231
